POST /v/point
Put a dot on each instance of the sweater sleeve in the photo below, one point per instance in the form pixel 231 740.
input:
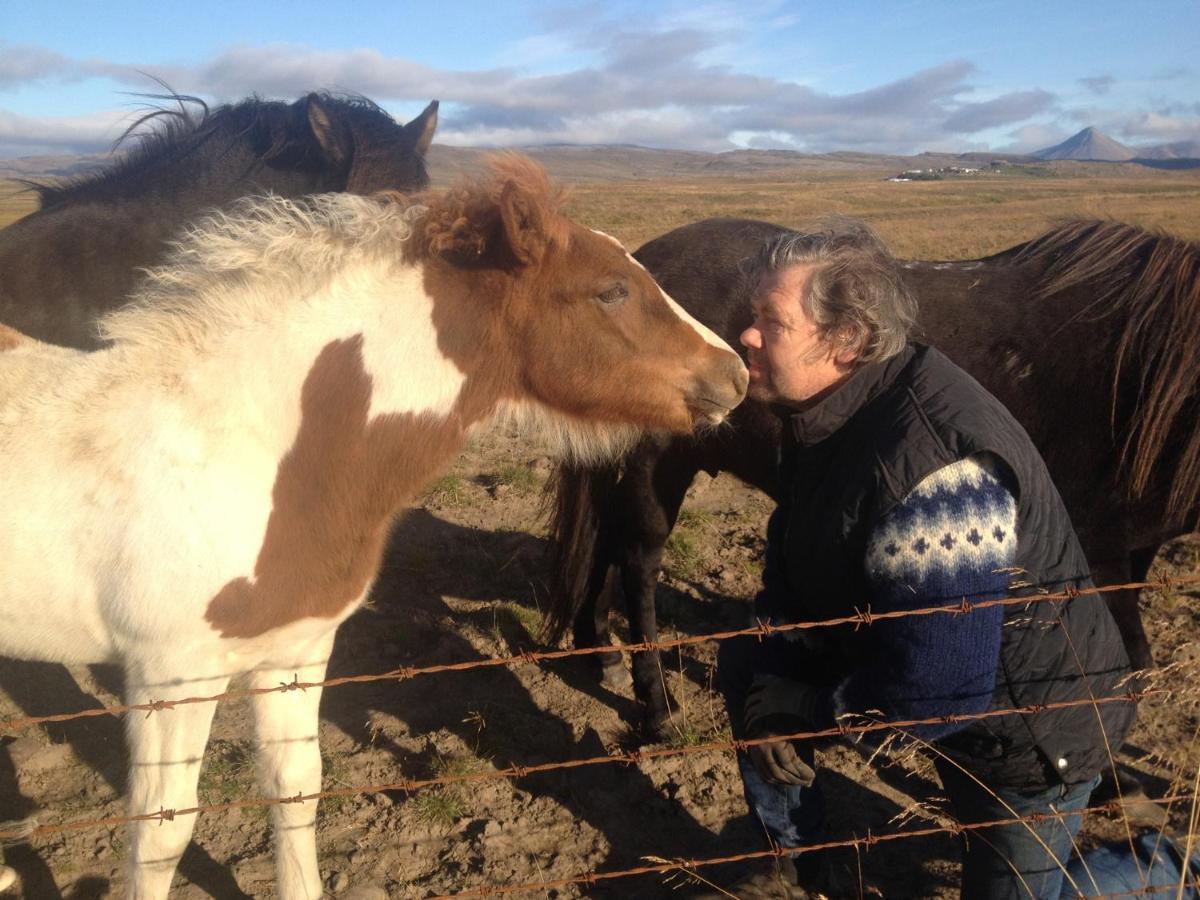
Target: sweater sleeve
pixel 952 537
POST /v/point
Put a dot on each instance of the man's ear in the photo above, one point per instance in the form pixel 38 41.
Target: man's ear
pixel 524 224
pixel 846 356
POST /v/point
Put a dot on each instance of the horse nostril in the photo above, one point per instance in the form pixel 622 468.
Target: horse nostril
pixel 739 377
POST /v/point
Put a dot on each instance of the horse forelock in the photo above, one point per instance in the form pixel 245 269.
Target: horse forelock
pixel 1153 282
pixel 463 220
pixel 243 264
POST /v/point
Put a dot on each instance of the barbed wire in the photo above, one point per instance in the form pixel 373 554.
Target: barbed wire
pixel 591 879
pixel 845 727
pixel 860 618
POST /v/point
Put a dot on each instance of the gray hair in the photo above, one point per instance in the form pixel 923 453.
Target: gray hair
pixel 856 295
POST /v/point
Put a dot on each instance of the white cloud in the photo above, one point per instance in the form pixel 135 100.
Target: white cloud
pixel 661 84
pixel 28 136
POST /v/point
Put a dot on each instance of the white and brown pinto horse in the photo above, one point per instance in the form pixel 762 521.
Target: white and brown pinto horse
pixel 211 494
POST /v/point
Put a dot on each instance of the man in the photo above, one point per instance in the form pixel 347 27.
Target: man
pixel 906 485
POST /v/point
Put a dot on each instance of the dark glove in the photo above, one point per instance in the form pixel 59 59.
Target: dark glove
pixel 779 763
pixel 777 705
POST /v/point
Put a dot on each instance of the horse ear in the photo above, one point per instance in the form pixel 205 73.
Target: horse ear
pixel 421 128
pixel 524 224
pixel 331 139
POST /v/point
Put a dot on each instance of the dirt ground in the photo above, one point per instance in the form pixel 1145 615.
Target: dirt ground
pixel 465 579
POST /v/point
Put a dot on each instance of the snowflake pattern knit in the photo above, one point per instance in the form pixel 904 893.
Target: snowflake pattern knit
pixel 952 537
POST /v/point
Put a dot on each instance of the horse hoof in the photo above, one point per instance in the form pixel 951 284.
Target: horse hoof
pixel 615 676
pixel 8 878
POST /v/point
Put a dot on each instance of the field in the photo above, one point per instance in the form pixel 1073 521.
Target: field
pixel 465 579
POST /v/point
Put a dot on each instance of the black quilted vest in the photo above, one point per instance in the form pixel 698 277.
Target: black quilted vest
pixel 855 455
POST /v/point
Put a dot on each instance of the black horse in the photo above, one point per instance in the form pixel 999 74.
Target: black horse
pixel 1088 334
pixel 79 254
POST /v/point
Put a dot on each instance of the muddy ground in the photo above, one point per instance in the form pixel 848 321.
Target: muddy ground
pixel 465 579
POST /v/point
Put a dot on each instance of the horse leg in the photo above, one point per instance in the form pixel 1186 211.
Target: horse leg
pixel 652 494
pixel 166 748
pixel 1134 632
pixel 289 763
pixel 1124 604
pixel 591 628
pixel 1139 810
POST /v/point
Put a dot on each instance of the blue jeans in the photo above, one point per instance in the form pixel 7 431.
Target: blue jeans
pixel 1119 868
pixel 1015 861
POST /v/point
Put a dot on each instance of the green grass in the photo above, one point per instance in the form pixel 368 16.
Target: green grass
pixel 227 774
pixel 683 557
pixel 449 490
pixel 444 805
pixel 440 807
pixel 696 518
pixel 511 619
pixel 522 479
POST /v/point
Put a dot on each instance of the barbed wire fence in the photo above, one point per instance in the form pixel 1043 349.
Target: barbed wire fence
pixel 846 727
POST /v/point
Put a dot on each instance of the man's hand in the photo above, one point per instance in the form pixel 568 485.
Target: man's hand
pixel 778 763
pixel 774 705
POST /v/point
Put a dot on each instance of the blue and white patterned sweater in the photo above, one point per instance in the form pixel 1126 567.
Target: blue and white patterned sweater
pixel 952 537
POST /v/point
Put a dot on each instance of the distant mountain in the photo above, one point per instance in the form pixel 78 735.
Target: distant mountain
pixel 36 167
pixel 1088 144
pixel 627 162
pixel 1176 150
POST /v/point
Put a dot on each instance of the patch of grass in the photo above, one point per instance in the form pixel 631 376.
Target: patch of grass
pixel 522 479
pixel 683 557
pixel 442 806
pixel 449 490
pixel 335 768
pixel 750 568
pixel 228 774
pixel 512 620
pixel 696 519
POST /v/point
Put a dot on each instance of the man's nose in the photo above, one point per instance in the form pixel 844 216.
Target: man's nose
pixel 750 338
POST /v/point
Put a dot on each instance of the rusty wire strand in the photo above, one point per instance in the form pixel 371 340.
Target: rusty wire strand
pixel 844 728
pixel 860 618
pixel 857 842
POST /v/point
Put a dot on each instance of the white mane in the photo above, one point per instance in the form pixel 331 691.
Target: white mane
pixel 238 266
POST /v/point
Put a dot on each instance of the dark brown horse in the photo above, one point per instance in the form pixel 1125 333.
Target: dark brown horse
pixel 1087 333
pixel 79 255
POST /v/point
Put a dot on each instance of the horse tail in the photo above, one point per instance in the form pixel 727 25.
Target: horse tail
pixel 578 496
pixel 1153 282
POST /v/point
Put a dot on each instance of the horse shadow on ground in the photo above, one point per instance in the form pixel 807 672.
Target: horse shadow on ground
pixel 429 559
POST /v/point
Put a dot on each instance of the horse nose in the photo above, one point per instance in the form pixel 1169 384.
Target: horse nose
pixel 741 378
pixel 723 388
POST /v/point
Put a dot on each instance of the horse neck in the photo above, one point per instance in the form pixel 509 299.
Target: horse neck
pixel 174 185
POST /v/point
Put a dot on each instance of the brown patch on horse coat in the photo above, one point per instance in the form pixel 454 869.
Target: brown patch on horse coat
pixel 10 338
pixel 334 495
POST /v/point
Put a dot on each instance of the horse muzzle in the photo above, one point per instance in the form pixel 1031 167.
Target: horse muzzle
pixel 714 398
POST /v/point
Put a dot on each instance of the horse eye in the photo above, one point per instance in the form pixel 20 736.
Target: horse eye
pixel 613 294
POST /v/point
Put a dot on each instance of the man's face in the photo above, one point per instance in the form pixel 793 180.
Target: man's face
pixel 789 363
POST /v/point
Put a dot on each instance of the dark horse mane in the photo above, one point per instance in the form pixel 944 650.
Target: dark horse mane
pixel 1156 289
pixel 176 132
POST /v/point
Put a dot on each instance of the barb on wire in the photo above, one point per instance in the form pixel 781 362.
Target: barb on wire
pixel 863 842
pixel 843 728
pixel 762 629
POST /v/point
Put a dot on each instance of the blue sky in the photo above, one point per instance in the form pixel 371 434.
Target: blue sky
pixel 901 76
